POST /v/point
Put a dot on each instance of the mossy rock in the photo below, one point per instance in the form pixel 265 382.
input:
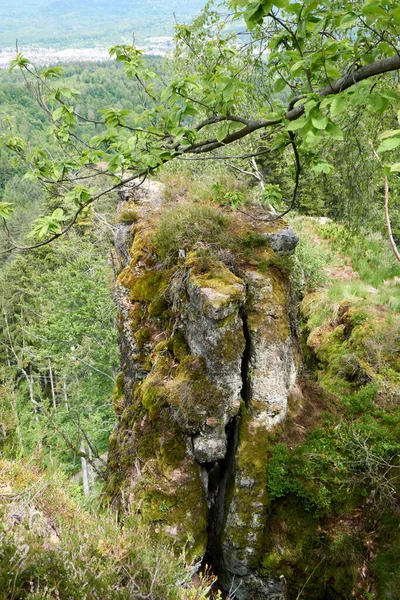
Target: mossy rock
pixel 126 278
pixel 145 287
pixel 247 498
pixel 169 493
pixel 128 213
pixel 142 249
pixel 142 335
pixel 224 286
pixel 158 306
pixel 118 395
pixel 192 396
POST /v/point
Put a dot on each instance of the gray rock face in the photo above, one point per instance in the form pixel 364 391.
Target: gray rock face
pixel 271 373
pixel 214 331
pixel 283 241
pixel 210 447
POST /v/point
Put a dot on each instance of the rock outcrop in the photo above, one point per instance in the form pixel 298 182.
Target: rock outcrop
pixel 209 359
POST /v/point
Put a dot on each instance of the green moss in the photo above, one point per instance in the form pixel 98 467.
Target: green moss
pixel 355 349
pixel 128 213
pixel 169 493
pixel 118 397
pixel 192 395
pixel 230 347
pixel 136 315
pixel 158 306
pixel 152 393
pixel 142 335
pixel 142 249
pixel 126 277
pixel 271 322
pixel 147 286
pixel 179 346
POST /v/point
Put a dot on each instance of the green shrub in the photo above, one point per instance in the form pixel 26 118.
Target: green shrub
pixel 310 260
pixel 362 400
pixel 188 226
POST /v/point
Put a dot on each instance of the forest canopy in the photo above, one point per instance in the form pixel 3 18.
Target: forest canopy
pixel 252 77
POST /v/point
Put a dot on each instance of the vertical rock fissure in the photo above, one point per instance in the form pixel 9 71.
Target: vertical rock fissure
pixel 245 393
pixel 223 473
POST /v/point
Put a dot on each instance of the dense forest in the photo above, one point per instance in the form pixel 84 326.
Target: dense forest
pixel 74 343
pixel 200 296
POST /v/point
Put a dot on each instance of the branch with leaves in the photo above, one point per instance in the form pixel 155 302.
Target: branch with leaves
pixel 314 63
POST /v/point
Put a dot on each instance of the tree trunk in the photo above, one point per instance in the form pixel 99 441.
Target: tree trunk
pixel 53 394
pixel 85 478
pixel 65 393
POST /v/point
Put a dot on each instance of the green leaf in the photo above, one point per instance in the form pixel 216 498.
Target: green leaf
pixel 348 20
pixel 52 72
pixel 395 168
pixel 279 84
pixel 339 104
pixel 58 215
pixel 297 65
pixel 378 103
pixel 256 11
pixel 389 144
pixel 222 131
pixel 58 113
pixel 320 122
pixel 6 210
pixel 389 133
pixel 19 61
pixel 374 9
pixel 297 124
pixel 323 167
pixel 332 72
pixel 334 131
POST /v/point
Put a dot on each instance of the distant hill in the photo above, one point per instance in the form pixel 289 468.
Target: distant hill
pixel 80 23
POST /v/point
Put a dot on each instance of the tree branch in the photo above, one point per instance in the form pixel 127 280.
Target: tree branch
pixel 386 207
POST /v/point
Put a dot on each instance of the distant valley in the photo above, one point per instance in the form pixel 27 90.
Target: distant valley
pixel 61 24
pixel 40 56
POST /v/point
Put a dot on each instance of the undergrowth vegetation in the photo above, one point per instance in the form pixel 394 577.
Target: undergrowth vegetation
pixel 370 253
pixel 333 471
pixel 50 548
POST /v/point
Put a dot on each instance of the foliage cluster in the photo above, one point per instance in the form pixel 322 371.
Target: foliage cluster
pixel 336 458
pixel 299 78
pixel 58 322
